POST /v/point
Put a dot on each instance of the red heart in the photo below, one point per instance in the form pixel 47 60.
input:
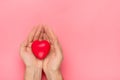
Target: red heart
pixel 40 48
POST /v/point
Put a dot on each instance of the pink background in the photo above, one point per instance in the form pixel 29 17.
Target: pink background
pixel 89 31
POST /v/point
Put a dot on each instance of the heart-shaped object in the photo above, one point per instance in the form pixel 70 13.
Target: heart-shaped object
pixel 40 48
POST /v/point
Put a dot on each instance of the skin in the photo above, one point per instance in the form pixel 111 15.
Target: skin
pixel 51 64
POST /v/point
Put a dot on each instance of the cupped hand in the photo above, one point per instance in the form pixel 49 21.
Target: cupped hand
pixel 25 49
pixel 53 61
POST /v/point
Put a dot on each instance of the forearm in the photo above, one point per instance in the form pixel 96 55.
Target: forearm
pixel 54 75
pixel 33 73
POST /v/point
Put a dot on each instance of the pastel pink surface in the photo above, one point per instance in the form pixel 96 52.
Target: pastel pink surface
pixel 89 31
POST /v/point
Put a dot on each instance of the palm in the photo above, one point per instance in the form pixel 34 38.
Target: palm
pixel 25 50
pixel 28 57
pixel 53 60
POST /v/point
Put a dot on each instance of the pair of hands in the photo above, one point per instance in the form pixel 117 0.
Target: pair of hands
pixel 51 64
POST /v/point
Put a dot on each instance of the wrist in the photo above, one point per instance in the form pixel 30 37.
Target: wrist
pixel 34 69
pixel 54 75
pixel 29 73
pixel 35 65
pixel 33 73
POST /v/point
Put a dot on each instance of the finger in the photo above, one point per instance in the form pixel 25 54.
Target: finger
pixel 24 43
pixel 53 39
pixel 31 34
pixel 50 34
pixel 29 45
pixel 44 34
pixel 23 46
pixel 45 37
pixel 58 48
pixel 41 35
pixel 38 32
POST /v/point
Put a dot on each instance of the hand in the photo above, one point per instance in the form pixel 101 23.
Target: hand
pixel 33 65
pixel 25 49
pixel 52 62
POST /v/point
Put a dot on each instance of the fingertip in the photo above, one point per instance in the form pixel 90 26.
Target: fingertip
pixel 46 28
pixel 43 28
